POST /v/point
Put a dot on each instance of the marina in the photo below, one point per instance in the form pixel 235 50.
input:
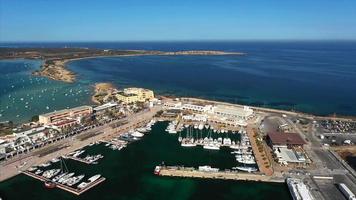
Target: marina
pixel 76 191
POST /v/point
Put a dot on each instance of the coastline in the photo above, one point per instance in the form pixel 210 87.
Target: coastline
pixel 55 60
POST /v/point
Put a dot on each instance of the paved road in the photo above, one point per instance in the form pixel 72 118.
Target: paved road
pixel 9 169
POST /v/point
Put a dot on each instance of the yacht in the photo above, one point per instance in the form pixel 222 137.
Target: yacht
pixel 74 180
pixel 65 178
pixel 246 169
pixel 55 179
pixel 38 172
pixel 94 178
pixel 212 146
pixel 137 134
pixel 207 168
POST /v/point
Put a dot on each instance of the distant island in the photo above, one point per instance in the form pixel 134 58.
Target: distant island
pixel 55 59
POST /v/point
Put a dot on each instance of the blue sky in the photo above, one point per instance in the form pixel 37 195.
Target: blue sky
pixel 143 20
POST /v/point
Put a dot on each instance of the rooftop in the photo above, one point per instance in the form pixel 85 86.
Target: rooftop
pixel 286 138
pixel 65 111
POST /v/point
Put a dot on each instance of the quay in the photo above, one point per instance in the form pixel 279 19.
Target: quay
pixel 190 172
pixel 64 187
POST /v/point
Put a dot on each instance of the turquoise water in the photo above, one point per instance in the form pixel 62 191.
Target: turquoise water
pixel 23 95
pixel 129 174
pixel 313 77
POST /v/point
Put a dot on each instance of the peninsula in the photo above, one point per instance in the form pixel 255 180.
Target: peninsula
pixel 55 59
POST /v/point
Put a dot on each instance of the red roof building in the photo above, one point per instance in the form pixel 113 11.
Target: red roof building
pixel 285 139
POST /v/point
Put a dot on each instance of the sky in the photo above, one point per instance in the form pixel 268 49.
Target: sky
pixel 160 20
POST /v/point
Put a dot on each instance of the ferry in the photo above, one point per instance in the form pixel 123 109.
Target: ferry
pixel 298 189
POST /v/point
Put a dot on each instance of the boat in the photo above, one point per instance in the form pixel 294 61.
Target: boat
pixel 82 185
pixel 94 178
pixel 50 173
pixel 31 169
pixel 55 179
pixel 65 178
pixel 45 164
pixel 188 144
pixel 246 169
pixel 137 134
pixel 74 180
pixel 207 168
pixel 38 172
pixel 157 170
pixel 50 184
pixel 212 146
pixel 54 160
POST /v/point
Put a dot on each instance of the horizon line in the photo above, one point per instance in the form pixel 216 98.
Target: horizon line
pixel 188 40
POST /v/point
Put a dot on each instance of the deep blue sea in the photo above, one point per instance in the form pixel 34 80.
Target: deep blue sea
pixel 314 77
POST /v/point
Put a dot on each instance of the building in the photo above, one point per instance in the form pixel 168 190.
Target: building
pixel 104 107
pixel 279 139
pixel 64 115
pixel 233 112
pixel 133 95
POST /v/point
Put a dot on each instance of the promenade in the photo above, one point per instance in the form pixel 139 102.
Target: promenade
pixel 10 168
pixel 224 175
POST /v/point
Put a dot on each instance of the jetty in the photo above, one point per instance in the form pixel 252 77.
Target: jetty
pixel 189 172
pixel 72 190
pixel 78 159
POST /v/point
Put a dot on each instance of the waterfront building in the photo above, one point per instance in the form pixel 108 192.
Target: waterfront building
pixel 133 95
pixel 55 117
pixel 234 112
pixel 284 140
pixel 104 107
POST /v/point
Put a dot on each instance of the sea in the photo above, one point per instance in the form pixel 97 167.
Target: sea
pixel 317 77
pixel 129 175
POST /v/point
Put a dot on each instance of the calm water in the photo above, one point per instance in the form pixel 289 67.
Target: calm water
pixel 129 174
pixel 351 160
pixel 314 77
pixel 23 95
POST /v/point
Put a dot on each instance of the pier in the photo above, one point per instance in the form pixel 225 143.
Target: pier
pixel 65 187
pixel 190 172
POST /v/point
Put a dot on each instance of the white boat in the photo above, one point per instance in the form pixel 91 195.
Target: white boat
pixel 38 172
pixel 246 169
pixel 45 164
pixel 207 168
pixel 188 144
pixel 74 180
pixel 50 173
pixel 137 134
pixel 82 185
pixel 65 178
pixel 212 146
pixel 55 179
pixel 54 160
pixel 31 169
pixel 94 178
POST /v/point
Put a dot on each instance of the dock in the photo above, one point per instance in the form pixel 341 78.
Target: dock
pixel 190 172
pixel 72 190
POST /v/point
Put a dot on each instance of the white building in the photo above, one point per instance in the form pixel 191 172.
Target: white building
pixel 233 111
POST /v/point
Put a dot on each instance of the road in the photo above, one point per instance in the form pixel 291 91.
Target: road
pixel 9 169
